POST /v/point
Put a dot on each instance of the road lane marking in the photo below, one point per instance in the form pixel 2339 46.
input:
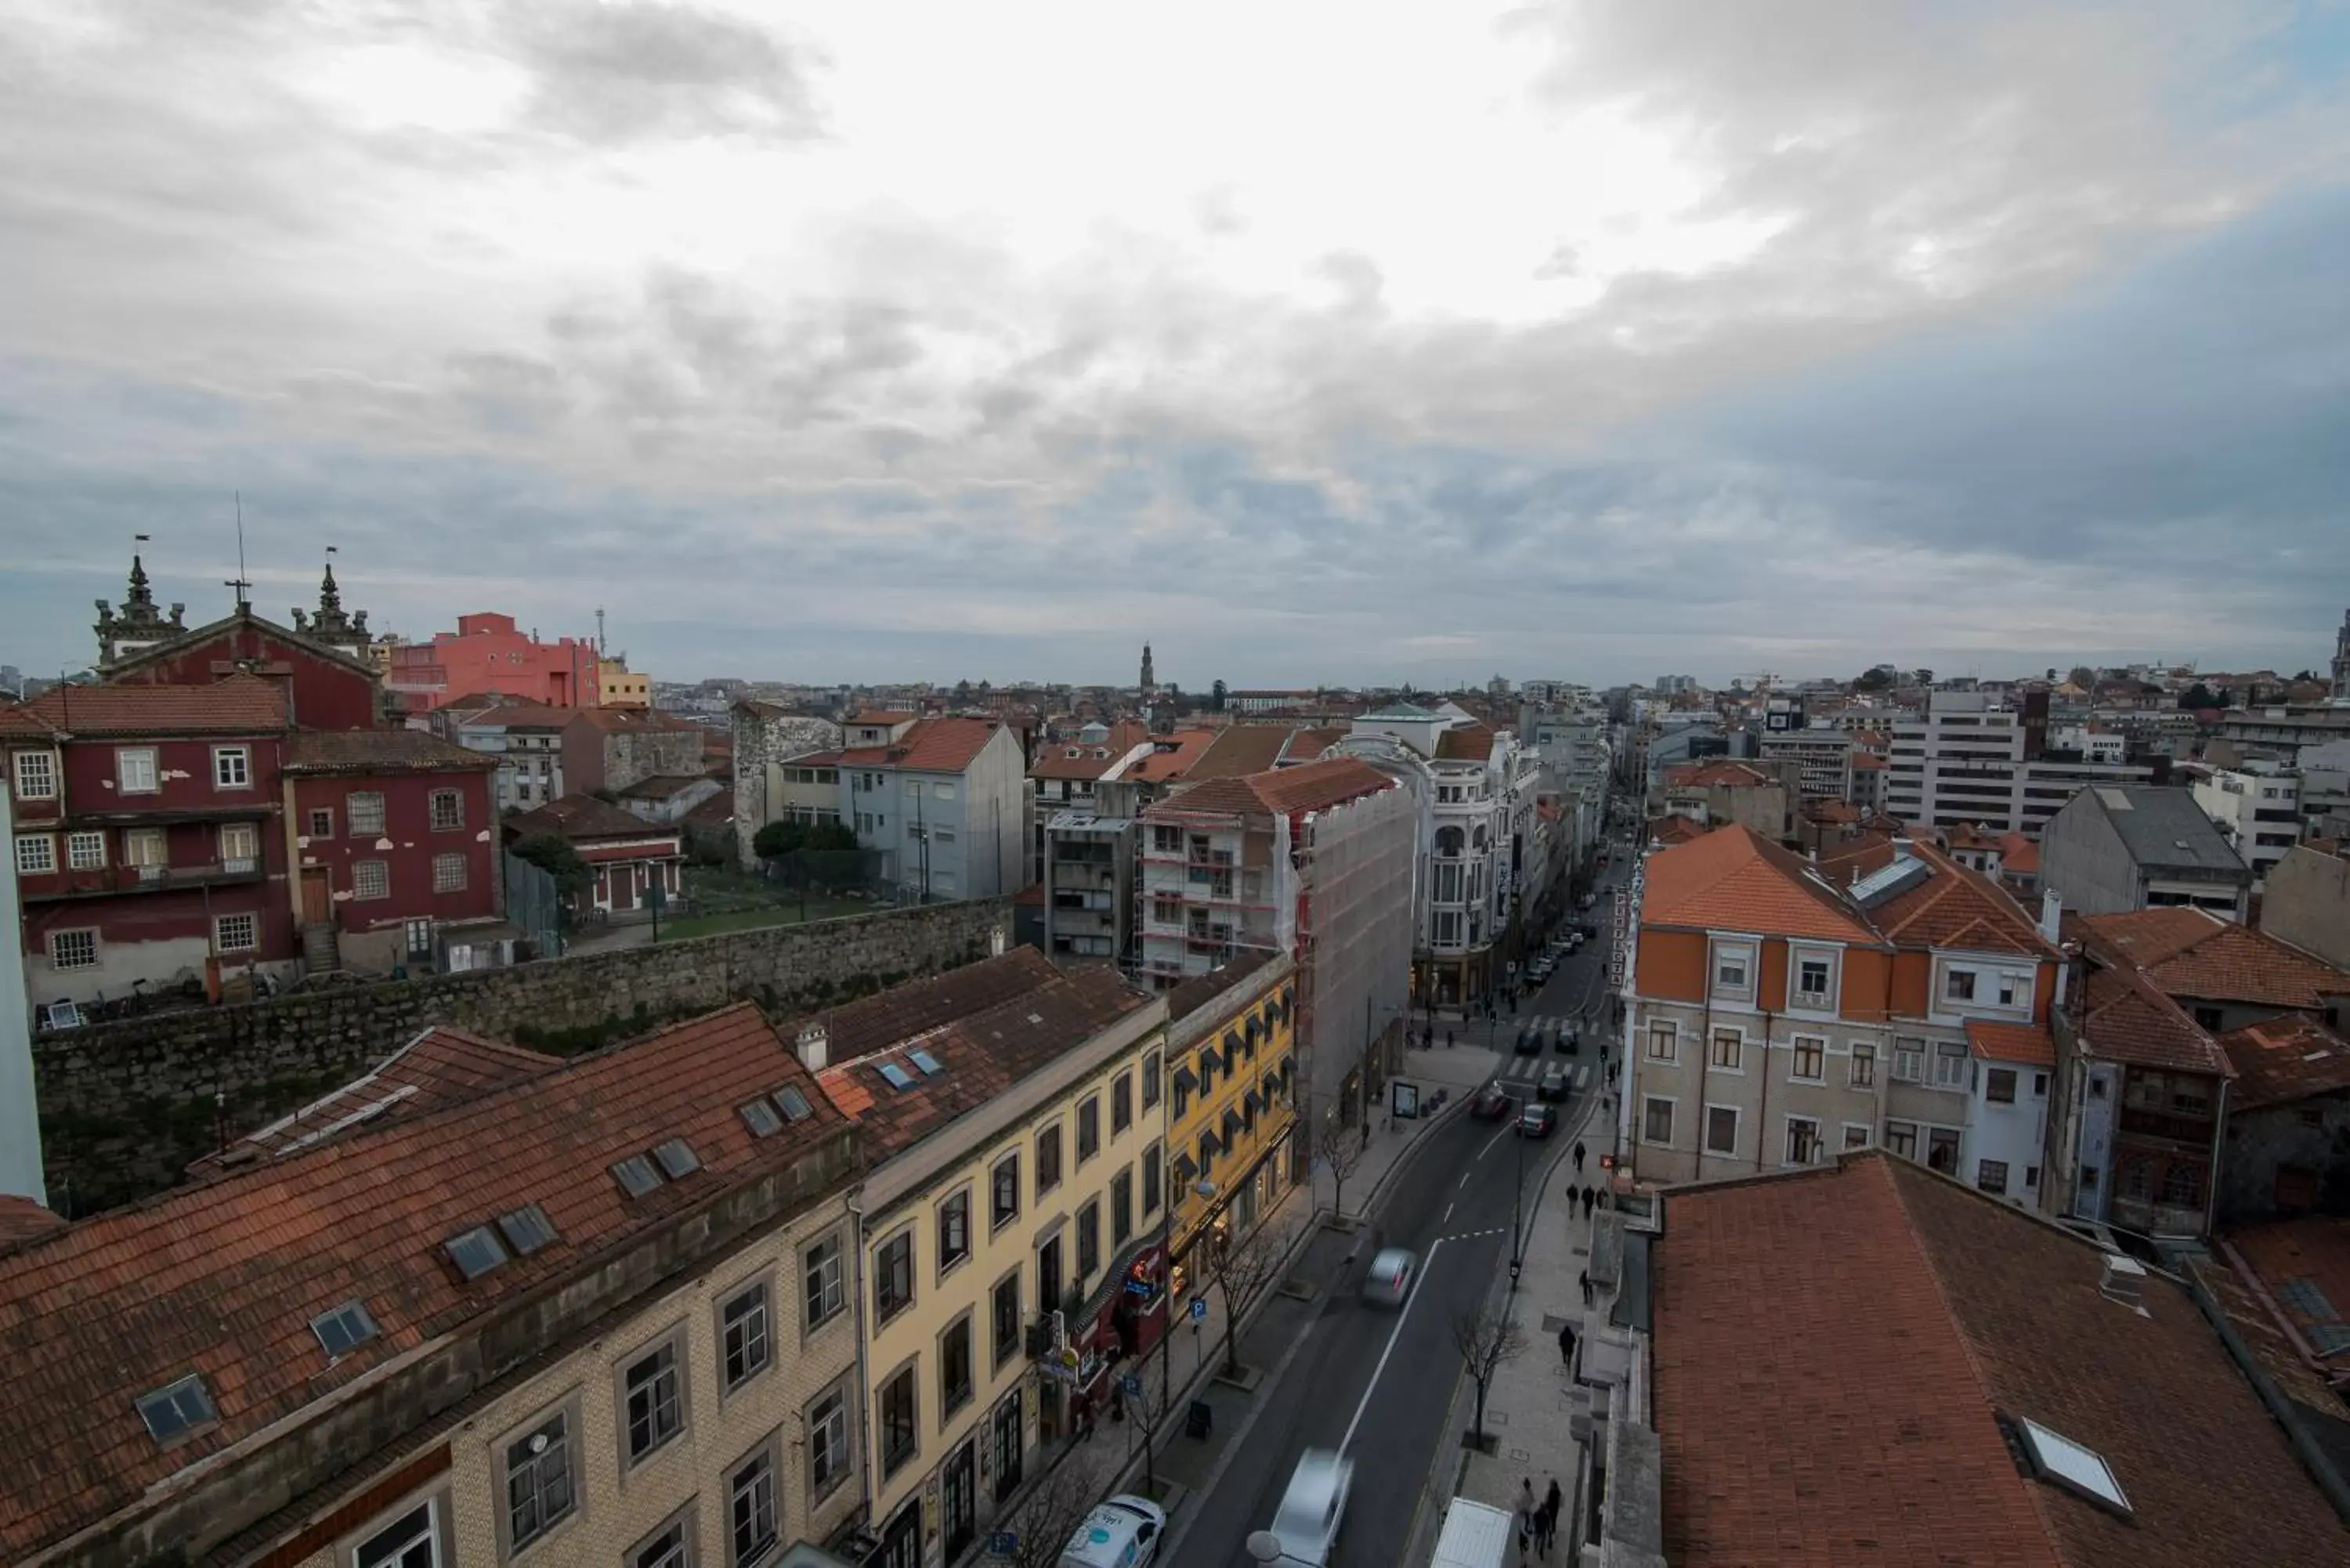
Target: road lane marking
pixel 1402 1313
pixel 1448 1215
pixel 1505 1131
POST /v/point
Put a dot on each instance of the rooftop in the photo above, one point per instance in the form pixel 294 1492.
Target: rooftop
pixel 928 745
pixel 2026 1042
pixel 900 1013
pixel 1957 907
pixel 617 721
pixel 1244 749
pixel 661 786
pixel 1171 757
pixel 1717 775
pixel 580 816
pixel 2286 1058
pixel 1465 743
pixel 506 715
pixel 1910 1326
pixel 2126 1020
pixel 2195 953
pixel 1734 880
pixel 236 705
pixel 379 752
pixel 1310 786
pixel 2165 830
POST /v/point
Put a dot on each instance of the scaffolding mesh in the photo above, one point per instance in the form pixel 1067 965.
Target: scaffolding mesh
pixel 1354 929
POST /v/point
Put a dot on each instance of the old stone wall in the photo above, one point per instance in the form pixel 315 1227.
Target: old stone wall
pixel 632 757
pixel 126 1105
pixel 764 735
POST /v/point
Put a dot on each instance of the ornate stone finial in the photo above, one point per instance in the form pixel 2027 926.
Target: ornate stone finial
pixel 141 595
pixel 301 621
pixel 330 598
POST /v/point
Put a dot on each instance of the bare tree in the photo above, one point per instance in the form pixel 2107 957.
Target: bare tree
pixel 1341 1148
pixel 1049 1516
pixel 1488 1339
pixel 1241 1268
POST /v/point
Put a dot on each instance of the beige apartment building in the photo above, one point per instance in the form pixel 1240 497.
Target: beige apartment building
pixel 1015 1197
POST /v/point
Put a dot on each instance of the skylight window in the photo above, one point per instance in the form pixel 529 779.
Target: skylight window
pixel 762 1119
pixel 337 1331
pixel 793 1104
pixel 527 1228
pixel 2075 1467
pixel 477 1252
pixel 897 1077
pixel 636 1176
pixel 929 1063
pixel 176 1409
pixel 677 1159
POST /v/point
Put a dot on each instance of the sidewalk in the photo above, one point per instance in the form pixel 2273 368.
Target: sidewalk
pixel 1271 1328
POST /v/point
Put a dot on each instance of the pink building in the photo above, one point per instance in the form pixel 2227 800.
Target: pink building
pixel 488 653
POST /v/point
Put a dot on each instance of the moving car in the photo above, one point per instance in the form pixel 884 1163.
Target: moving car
pixel 1569 1036
pixel 1555 1083
pixel 1493 1105
pixel 1389 1281
pixel 1537 1120
pixel 1122 1531
pixel 1314 1507
pixel 1530 1042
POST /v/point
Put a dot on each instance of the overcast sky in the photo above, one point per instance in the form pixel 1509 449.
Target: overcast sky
pixel 1311 341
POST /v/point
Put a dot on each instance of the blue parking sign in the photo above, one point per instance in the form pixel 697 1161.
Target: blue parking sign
pixel 1199 1309
pixel 1130 1386
pixel 1003 1542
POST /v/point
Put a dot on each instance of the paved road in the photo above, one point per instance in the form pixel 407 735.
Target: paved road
pixel 1380 1384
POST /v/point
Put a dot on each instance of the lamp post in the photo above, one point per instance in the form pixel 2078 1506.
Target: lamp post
pixel 1264 1546
pixel 1517 1210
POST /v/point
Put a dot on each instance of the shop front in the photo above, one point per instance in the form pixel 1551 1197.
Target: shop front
pixel 1235 1209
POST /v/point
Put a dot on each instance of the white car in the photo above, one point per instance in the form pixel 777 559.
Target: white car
pixel 1314 1507
pixel 1122 1531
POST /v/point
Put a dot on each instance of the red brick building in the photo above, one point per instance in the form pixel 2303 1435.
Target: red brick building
pixel 489 653
pixel 323 666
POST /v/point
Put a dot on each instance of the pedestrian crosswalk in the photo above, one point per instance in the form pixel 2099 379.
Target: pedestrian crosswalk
pixel 1529 1070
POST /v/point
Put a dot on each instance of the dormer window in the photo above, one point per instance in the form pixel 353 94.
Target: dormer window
pixel 1732 970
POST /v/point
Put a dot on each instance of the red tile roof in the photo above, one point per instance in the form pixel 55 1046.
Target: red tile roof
pixel 882 716
pixel 1867 853
pixel 22 1221
pixel 903 1012
pixel 1733 879
pixel 1717 775
pixel 223 1279
pixel 2126 1019
pixel 2315 1249
pixel 1831 811
pixel 1465 743
pixel 2018 855
pixel 1054 760
pixel 1241 749
pixel 1671 830
pixel 1893 1314
pixel 1310 786
pixel 379 752
pixel 2195 953
pixel 1185 748
pixel 236 705
pixel 944 745
pixel 520 716
pixel 1959 907
pixel 1870 761
pixel 583 817
pixel 615 720
pixel 2289 1057
pixel 2026 1042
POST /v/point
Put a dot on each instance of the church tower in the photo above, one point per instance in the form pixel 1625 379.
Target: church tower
pixel 1150 683
pixel 338 629
pixel 2341 661
pixel 140 626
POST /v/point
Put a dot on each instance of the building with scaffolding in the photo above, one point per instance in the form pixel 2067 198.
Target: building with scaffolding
pixel 1315 861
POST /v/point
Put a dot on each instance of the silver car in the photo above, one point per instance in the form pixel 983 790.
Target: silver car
pixel 1389 1281
pixel 1314 1507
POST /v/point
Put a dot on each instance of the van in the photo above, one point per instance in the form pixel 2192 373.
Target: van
pixel 1122 1531
pixel 1475 1536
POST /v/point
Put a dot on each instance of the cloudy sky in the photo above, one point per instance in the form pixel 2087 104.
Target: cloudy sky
pixel 1314 341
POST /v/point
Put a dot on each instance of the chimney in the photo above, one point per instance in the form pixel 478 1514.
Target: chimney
pixel 815 1040
pixel 2052 913
pixel 2121 1279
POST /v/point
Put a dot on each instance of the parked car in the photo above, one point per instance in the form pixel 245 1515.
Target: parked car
pixel 1314 1507
pixel 1389 1281
pixel 1493 1105
pixel 1537 1120
pixel 1122 1531
pixel 1555 1083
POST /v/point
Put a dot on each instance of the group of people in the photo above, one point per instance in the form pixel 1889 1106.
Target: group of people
pixel 1538 1519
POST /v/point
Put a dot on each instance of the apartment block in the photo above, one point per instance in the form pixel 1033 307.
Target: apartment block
pixel 2257 809
pixel 1822 753
pixel 1232 1071
pixel 2114 848
pixel 1968 759
pixel 943 801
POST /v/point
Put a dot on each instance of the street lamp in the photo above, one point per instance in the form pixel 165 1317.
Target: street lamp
pixel 1517 1209
pixel 1264 1546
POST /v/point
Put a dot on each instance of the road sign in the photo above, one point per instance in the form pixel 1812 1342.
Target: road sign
pixel 1068 1358
pixel 1003 1542
pixel 1130 1386
pixel 1199 1309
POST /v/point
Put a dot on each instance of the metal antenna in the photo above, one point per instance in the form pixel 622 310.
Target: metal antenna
pixel 239 582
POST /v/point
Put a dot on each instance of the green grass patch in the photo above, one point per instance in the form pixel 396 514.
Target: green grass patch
pixel 753 920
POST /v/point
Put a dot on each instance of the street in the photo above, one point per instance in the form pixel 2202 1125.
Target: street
pixel 1376 1382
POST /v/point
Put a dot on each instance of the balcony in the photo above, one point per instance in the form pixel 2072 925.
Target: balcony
pixel 2186 1129
pixel 115 881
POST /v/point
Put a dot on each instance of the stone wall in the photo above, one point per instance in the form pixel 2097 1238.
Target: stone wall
pixel 632 757
pixel 126 1105
pixel 765 733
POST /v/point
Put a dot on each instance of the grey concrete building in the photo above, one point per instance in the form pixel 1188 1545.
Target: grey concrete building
pixel 2307 902
pixel 2116 847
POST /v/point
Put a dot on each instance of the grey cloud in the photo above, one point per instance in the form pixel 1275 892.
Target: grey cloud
pixel 628 70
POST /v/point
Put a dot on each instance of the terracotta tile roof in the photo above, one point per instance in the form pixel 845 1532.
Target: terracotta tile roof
pixel 1671 830
pixel 2193 952
pixel 379 752
pixel 1902 1311
pixel 23 1220
pixel 615 720
pixel 2026 1042
pixel 581 817
pixel 1161 767
pixel 903 1012
pixel 2126 1019
pixel 980 1057
pixel 661 786
pixel 236 705
pixel 1202 989
pixel 520 716
pixel 715 812
pixel 1240 749
pixel 2315 1249
pixel 1966 835
pixel 882 716
pixel 1831 811
pixel 929 745
pixel 1732 879
pixel 1309 786
pixel 1054 760
pixel 1957 907
pixel 2289 1057
pixel 2322 1412
pixel 1717 775
pixel 1307 745
pixel 1869 762
pixel 2018 855
pixel 223 1279
pixel 1847 863
pixel 1465 743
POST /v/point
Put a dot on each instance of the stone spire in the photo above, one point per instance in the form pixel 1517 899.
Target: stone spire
pixel 331 625
pixel 1149 682
pixel 141 624
pixel 2342 661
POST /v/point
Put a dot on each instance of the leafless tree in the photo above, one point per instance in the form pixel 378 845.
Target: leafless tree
pixel 1240 1267
pixel 1341 1149
pixel 1048 1518
pixel 1488 1339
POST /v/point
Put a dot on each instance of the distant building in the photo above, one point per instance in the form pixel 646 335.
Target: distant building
pixel 1968 758
pixel 618 686
pixel 2114 848
pixel 630 857
pixel 488 653
pixel 941 800
pixel 2308 901
pixel 2257 808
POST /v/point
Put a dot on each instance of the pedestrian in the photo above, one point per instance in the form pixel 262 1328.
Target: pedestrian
pixel 1567 1345
pixel 1526 1502
pixel 1590 1201
pixel 1584 1279
pixel 1448 1039
pixel 1545 1526
pixel 1578 1158
pixel 1554 1501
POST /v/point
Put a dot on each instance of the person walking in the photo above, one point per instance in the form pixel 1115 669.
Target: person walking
pixel 1567 1345
pixel 1584 1279
pixel 1526 1520
pixel 1590 1201
pixel 1578 1158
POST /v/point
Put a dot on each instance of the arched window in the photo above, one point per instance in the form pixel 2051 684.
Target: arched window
pixel 1480 839
pixel 1448 841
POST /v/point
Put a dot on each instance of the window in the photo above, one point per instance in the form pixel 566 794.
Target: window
pixel 1656 1121
pixel 232 767
pixel 36 775
pixel 954 1230
pixel 343 1328
pixel 36 854
pixel 1855 1135
pixel 1949 1066
pixel 322 823
pixel 1729 1047
pixel 1121 1208
pixel 1121 1103
pixel 1862 1073
pixel 239 846
pixel 1167 909
pixel 1088 1127
pixel 1802 1141
pixel 820 1274
pixel 449 873
pixel 2014 990
pixel 236 933
pixel 366 812
pixel 1003 1313
pixel 1942 1150
pixel 2182 1185
pixel 1810 1058
pixel 743 1345
pixel 371 879
pixel 652 1400
pixel 898 1432
pixel 73 950
pixel 1730 968
pixel 1004 1185
pixel 1149 1080
pixel 1812 982
pixel 1664 1041
pixel 828 1438
pixel 1901 1138
pixel 751 1508
pixel 1722 1129
pixel 1998 1086
pixel 411 1541
pixel 1959 985
pixel 540 1490
pixel 1908 1061
pixel 446 810
pixel 893 1275
pixel 1990 1175
pixel 145 846
pixel 955 1366
pixel 86 851
pixel 1151 1177
pixel 671 1546
pixel 1090 1240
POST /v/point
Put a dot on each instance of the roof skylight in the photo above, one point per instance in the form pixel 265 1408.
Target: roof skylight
pixel 929 1063
pixel 793 1104
pixel 175 1411
pixel 636 1176
pixel 527 1228
pixel 475 1251
pixel 677 1159
pixel 894 1075
pixel 760 1118
pixel 2075 1467
pixel 340 1329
